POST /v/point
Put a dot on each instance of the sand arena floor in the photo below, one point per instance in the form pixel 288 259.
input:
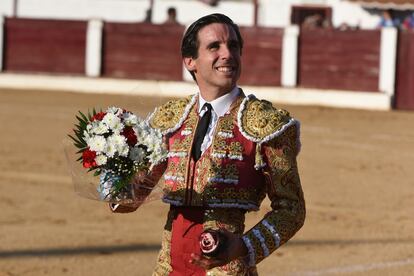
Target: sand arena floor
pixel 357 170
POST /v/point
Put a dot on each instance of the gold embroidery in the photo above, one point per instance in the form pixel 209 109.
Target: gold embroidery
pixel 226 124
pixel 181 145
pixel 202 175
pixel 260 119
pixel 163 266
pixel 235 150
pixel 169 115
pixel 231 172
pixel 269 238
pixel 214 170
pixel 219 147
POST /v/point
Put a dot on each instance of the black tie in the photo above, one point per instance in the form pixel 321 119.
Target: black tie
pixel 201 132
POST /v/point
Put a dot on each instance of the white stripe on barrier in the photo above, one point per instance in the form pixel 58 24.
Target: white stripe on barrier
pixel 93 58
pixel 290 56
pixel 388 56
pixel 279 95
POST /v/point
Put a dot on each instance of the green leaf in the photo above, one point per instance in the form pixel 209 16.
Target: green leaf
pixel 81 150
pixel 85 119
pixel 81 120
pixel 73 138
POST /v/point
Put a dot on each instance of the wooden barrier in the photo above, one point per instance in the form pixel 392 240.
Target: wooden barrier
pixel 327 59
pixel 142 51
pixel 51 46
pixel 345 60
pixel 404 94
pixel 261 57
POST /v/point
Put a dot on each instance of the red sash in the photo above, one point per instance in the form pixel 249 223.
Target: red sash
pixel 186 229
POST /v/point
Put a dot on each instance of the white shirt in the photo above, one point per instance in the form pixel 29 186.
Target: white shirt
pixel 220 107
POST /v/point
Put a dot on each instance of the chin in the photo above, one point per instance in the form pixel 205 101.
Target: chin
pixel 227 83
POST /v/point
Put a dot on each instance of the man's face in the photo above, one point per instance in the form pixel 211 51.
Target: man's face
pixel 217 67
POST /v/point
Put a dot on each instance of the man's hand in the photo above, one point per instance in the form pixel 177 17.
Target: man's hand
pixel 235 248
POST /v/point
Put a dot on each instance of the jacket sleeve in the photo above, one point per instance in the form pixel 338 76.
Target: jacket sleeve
pixel 285 193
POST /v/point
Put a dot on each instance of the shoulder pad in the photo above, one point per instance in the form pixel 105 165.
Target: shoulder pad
pixel 260 122
pixel 170 116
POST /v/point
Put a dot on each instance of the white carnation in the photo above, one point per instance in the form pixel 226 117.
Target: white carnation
pixel 112 121
pixel 97 143
pixel 117 144
pixel 101 160
pixel 114 110
pixel 117 128
pixel 123 150
pixel 130 119
pixel 86 136
pixel 99 128
pixel 110 150
pixel 137 154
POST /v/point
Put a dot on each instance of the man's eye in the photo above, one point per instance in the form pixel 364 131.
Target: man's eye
pixel 234 46
pixel 214 46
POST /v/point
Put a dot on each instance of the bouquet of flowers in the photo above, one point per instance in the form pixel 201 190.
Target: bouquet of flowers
pixel 119 149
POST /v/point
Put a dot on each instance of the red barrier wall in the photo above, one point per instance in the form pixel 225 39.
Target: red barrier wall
pixel 262 56
pixel 52 46
pixel 345 60
pixel 404 94
pixel 142 51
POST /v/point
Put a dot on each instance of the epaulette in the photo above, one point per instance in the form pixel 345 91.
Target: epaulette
pixel 260 122
pixel 170 116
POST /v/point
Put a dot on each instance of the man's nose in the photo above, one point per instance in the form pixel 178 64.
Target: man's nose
pixel 225 52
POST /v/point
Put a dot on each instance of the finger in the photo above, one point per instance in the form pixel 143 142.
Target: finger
pixel 205 262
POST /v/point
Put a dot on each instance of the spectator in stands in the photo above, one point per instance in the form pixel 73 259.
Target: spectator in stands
pixel 315 21
pixel 408 23
pixel 171 16
pixel 148 16
pixel 344 27
pixel 387 20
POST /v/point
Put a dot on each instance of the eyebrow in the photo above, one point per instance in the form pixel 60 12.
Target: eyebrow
pixel 213 43
pixel 217 42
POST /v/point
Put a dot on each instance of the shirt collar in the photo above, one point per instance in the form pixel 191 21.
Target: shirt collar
pixel 222 104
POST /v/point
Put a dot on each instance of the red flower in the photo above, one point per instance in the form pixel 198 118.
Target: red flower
pixel 88 158
pixel 98 116
pixel 129 134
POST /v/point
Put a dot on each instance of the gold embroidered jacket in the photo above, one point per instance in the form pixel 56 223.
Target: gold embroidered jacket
pixel 253 153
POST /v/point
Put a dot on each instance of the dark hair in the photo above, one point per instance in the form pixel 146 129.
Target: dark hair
pixel 171 11
pixel 190 43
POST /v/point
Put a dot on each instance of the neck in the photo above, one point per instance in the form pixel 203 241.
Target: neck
pixel 211 95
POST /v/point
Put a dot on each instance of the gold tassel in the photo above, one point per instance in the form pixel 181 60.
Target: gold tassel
pixel 259 158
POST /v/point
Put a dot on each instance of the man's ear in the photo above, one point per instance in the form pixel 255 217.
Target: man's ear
pixel 189 64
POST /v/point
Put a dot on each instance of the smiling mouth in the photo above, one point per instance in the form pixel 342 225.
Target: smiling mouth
pixel 226 69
